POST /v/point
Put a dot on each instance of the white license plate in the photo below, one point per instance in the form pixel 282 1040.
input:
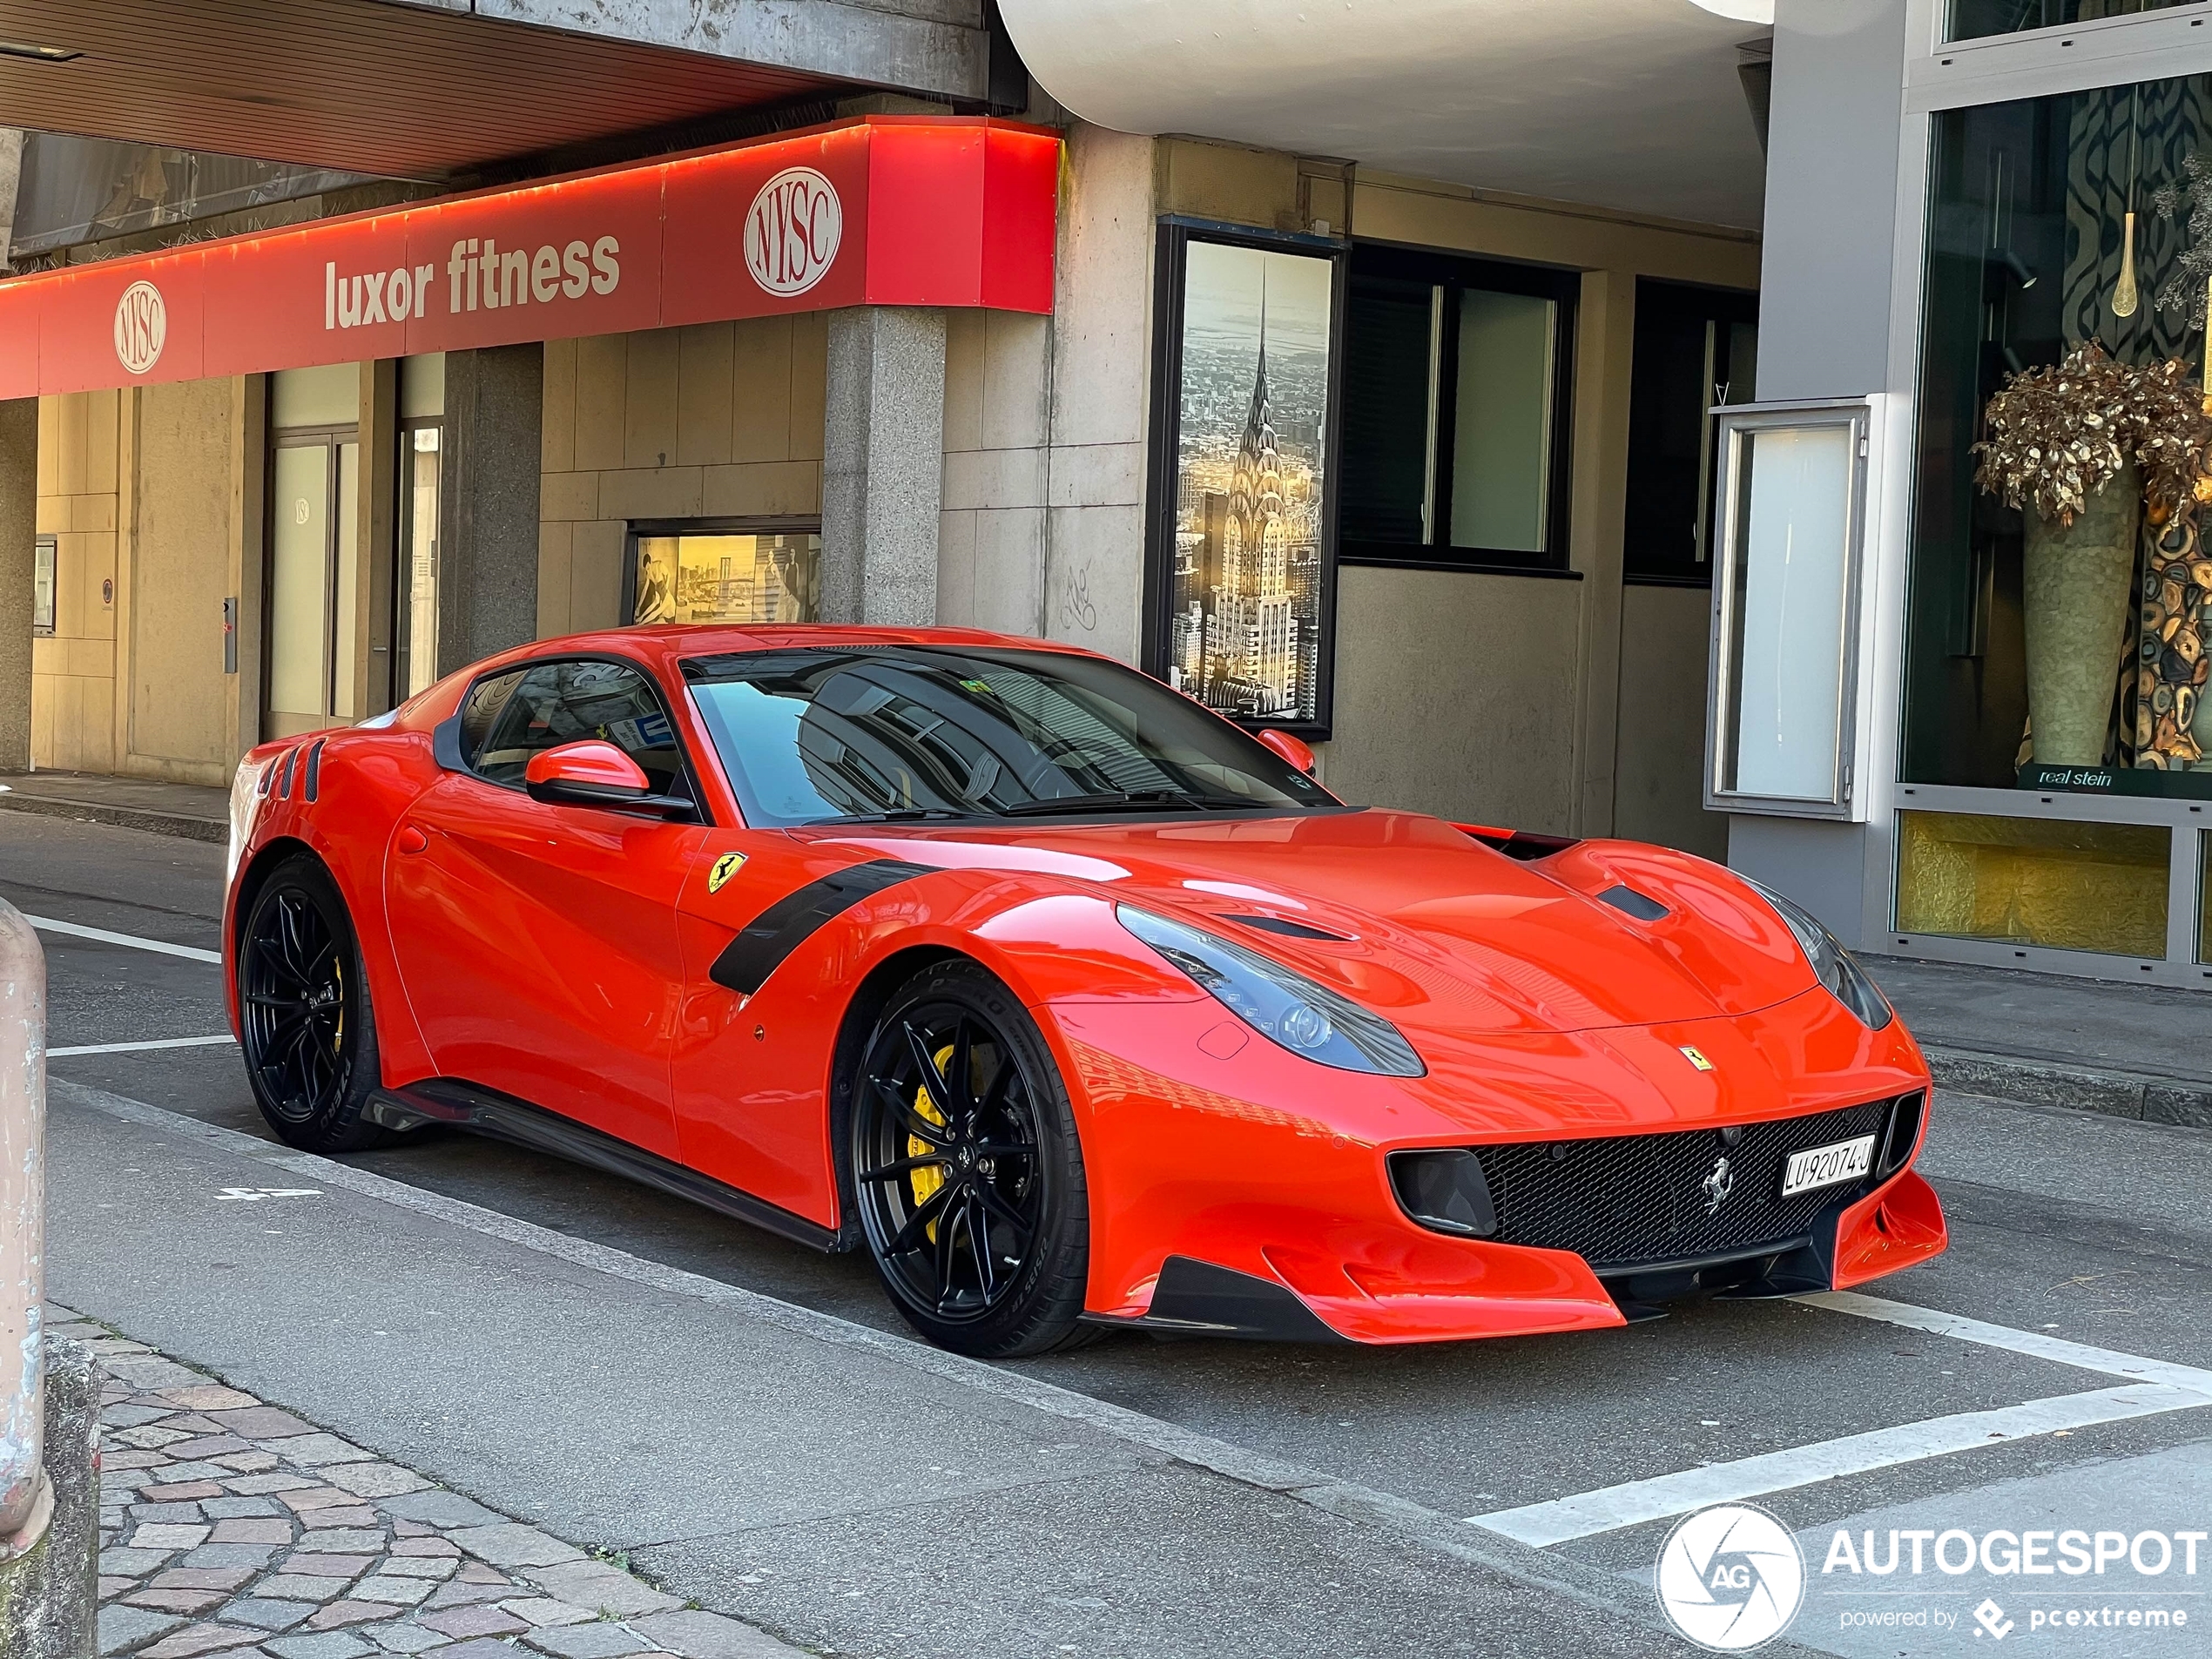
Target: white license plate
pixel 1824 1166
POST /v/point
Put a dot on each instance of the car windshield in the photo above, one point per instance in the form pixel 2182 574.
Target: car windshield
pixel 913 732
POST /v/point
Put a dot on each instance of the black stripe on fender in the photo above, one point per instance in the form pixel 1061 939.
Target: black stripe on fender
pixel 744 967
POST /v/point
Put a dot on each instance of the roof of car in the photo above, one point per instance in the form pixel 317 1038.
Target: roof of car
pixel 675 640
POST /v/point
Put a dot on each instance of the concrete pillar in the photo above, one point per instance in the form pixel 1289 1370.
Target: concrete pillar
pixel 488 547
pixel 18 529
pixel 883 465
pixel 10 183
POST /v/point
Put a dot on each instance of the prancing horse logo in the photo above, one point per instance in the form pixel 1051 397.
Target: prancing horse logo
pixel 1718 1185
pixel 725 867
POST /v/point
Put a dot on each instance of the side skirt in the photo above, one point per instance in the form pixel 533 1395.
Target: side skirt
pixel 484 1111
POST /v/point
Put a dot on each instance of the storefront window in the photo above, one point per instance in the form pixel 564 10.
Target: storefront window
pixel 2033 881
pixel 1454 442
pixel 729 576
pixel 2044 654
pixel 1694 348
pixel 1970 19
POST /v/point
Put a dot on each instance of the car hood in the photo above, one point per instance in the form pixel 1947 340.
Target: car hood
pixel 1425 925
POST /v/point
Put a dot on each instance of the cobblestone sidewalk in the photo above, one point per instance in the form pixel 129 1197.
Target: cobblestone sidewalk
pixel 232 1528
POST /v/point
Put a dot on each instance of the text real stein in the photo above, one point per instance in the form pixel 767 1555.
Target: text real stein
pixel 478 274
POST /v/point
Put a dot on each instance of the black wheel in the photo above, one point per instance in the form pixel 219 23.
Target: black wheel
pixel 965 1169
pixel 310 1039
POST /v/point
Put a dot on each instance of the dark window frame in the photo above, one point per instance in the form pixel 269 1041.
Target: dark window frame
pixel 1457 271
pixel 1175 235
pixel 1714 305
pixel 446 741
pixel 756 525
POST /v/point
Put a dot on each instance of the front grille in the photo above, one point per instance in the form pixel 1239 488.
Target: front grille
pixel 1632 1200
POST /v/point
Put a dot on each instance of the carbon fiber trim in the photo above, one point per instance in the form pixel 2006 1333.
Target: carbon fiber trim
pixel 760 949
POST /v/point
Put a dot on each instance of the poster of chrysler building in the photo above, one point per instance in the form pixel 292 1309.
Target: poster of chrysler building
pixel 1244 632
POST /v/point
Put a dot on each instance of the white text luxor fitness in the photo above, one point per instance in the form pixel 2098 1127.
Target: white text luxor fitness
pixel 480 274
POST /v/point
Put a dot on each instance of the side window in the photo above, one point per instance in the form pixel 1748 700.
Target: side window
pixel 507 720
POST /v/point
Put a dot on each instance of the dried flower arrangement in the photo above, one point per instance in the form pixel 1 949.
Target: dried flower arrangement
pixel 2058 435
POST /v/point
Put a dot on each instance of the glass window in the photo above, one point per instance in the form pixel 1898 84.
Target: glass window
pixel 729 576
pixel 2035 882
pixel 2041 654
pixel 1695 348
pixel 916 732
pixel 1455 446
pixel 507 720
pixel 1972 19
pixel 2204 897
pixel 416 591
pixel 42 550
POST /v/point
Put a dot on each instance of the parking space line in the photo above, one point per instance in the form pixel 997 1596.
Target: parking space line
pixel 138 1047
pixel 1634 1502
pixel 2034 1344
pixel 191 953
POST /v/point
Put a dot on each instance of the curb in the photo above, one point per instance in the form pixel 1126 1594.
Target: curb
pixel 2140 1096
pixel 180 825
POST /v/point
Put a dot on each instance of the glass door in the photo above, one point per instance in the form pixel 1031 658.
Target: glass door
pixel 415 593
pixel 315 648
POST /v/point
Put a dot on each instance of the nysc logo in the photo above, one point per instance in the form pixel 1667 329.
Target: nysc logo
pixel 141 327
pixel 1731 1578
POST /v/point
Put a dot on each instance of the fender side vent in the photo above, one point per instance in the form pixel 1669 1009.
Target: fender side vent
pixel 284 781
pixel 1629 902
pixel 314 769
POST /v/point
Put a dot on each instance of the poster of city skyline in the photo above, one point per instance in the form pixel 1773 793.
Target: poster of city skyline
pixel 1247 565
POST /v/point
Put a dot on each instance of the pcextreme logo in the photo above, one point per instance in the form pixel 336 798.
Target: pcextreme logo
pixel 1731 1578
pixel 141 327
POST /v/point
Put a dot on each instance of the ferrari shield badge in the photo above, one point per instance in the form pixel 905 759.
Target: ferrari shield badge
pixel 1687 1053
pixel 725 867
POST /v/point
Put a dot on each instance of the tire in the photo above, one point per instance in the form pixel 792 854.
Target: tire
pixel 308 1034
pixel 976 1217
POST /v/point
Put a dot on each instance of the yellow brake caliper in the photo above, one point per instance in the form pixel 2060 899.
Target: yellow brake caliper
pixel 926 1180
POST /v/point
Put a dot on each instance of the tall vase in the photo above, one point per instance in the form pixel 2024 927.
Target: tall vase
pixel 2079 579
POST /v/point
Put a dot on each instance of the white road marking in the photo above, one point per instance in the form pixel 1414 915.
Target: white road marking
pixel 138 1047
pixel 48 925
pixel 2034 1344
pixel 1635 1502
pixel 254 1195
pixel 2157 1386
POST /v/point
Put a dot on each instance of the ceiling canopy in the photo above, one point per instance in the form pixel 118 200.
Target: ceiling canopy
pixel 1633 104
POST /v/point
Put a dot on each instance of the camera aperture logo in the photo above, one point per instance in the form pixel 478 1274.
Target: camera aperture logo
pixel 1731 1578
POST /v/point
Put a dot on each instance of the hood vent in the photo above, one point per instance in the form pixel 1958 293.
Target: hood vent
pixel 1289 929
pixel 1629 902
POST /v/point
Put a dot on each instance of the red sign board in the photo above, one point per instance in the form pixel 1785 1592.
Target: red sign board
pixel 886 209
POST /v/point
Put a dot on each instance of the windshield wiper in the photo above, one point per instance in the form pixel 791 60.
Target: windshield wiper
pixel 896 815
pixel 1119 798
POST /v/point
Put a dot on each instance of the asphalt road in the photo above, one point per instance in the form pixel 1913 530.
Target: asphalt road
pixel 827 1479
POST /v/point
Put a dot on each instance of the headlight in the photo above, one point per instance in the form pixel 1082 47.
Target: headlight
pixel 1836 967
pixel 1282 1005
pixel 246 798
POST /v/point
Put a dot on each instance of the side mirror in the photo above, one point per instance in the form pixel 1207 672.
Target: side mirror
pixel 1288 748
pixel 594 773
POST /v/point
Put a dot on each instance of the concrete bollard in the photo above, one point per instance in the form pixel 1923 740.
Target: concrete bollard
pixel 26 1497
pixel 46 1589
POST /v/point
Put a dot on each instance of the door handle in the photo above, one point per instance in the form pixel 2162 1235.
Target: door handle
pixel 413 840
